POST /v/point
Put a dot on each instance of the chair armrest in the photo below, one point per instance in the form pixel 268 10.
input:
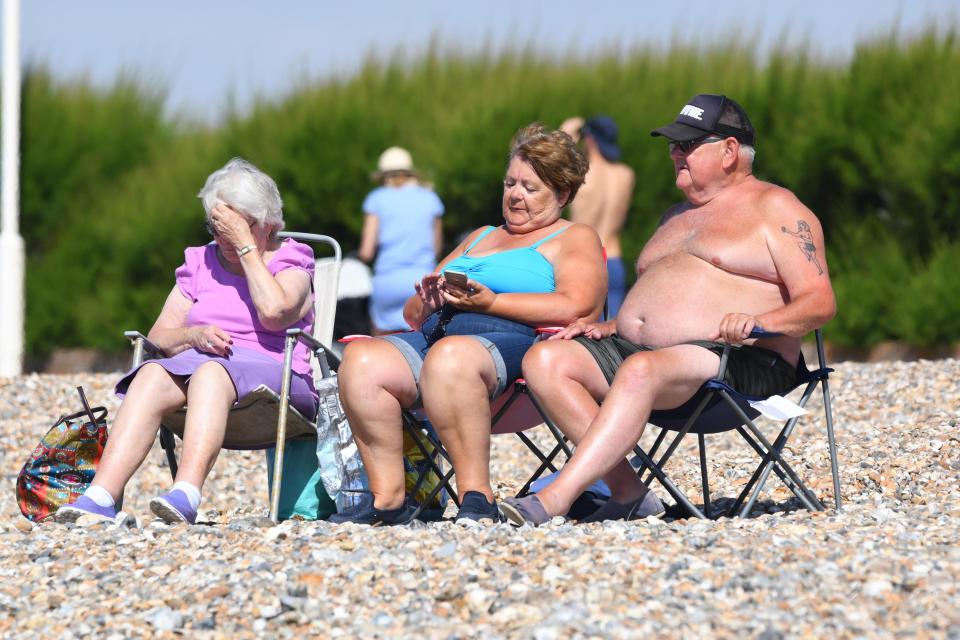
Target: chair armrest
pixel 135 336
pixel 322 353
pixel 142 347
pixel 757 332
pixel 353 337
pixel 548 331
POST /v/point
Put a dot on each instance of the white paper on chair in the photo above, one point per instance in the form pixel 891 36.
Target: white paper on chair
pixel 778 408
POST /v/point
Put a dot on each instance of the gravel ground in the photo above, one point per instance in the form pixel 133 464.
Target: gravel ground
pixel 887 565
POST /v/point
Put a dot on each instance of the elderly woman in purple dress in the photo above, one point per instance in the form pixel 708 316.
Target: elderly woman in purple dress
pixel 222 329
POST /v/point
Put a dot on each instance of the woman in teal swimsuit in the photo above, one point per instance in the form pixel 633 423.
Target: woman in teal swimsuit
pixel 535 270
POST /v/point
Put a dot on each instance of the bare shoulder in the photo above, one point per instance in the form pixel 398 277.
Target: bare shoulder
pixel 470 237
pixel 579 235
pixel 577 240
pixel 625 172
pixel 780 207
pixel 673 211
pixel 460 248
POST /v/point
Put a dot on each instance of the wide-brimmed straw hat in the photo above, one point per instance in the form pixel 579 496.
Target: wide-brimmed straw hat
pixel 395 160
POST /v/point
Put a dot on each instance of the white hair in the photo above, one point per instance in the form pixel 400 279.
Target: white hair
pixel 748 153
pixel 243 187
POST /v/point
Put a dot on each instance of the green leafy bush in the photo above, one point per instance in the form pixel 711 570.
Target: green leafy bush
pixel 871 145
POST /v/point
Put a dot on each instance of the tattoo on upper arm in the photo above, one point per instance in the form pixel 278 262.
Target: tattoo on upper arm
pixel 805 235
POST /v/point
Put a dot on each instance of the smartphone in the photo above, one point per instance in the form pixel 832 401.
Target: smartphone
pixel 457 278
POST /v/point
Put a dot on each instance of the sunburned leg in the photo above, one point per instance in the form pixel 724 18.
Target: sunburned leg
pixel 569 385
pixel 375 384
pixel 210 394
pixel 457 379
pixel 152 394
pixel 662 379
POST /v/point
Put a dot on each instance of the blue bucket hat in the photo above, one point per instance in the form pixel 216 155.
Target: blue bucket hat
pixel 604 132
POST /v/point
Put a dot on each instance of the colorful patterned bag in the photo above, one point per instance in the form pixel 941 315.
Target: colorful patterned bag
pixel 62 465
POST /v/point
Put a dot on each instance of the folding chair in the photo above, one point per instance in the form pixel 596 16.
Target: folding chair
pixel 421 432
pixel 514 411
pixel 263 418
pixel 511 412
pixel 718 408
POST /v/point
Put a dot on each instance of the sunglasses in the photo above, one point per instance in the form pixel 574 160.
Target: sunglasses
pixel 209 227
pixel 689 145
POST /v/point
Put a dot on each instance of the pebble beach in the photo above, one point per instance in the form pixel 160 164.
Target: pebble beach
pixel 887 565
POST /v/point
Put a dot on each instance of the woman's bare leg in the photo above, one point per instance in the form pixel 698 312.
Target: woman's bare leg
pixel 152 394
pixel 210 394
pixel 457 379
pixel 375 384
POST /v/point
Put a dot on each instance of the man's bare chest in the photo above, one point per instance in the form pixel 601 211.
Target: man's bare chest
pixel 736 244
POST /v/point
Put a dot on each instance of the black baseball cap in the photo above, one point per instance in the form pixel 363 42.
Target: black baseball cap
pixel 707 113
pixel 604 131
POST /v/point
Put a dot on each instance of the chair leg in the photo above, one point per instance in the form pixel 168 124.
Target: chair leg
pixel 756 474
pixel 705 482
pixel 774 457
pixel 290 343
pixel 546 462
pixel 773 460
pixel 656 468
pixel 832 443
pixel 679 496
pixel 413 429
pixel 169 445
pixel 554 429
pixel 653 452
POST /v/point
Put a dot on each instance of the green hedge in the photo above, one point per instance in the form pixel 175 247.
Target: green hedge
pixel 871 145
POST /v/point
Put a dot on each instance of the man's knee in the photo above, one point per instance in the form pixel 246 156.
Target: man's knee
pixel 638 369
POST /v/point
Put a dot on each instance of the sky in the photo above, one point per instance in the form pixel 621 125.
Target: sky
pixel 205 52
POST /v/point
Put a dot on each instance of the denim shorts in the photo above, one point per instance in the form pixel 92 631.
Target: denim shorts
pixel 506 341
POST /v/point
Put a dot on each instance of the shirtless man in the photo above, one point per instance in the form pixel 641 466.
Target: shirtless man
pixel 604 198
pixel 721 263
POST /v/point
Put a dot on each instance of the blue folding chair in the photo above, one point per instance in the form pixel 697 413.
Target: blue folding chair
pixel 717 408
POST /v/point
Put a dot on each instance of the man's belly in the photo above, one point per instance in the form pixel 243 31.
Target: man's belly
pixel 682 298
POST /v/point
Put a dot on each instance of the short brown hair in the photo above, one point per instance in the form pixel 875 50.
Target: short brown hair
pixel 554 156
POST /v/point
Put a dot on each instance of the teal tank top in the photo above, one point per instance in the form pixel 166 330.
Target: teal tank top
pixel 520 270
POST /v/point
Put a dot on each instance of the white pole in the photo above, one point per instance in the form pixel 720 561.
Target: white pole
pixel 11 244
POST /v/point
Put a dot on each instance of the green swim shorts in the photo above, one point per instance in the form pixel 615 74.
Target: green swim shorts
pixel 752 371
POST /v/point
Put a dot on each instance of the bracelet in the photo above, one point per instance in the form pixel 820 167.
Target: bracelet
pixel 244 250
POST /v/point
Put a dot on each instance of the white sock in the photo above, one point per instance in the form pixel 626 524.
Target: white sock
pixel 193 493
pixel 100 495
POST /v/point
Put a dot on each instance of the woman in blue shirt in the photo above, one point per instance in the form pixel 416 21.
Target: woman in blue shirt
pixel 402 228
pixel 534 270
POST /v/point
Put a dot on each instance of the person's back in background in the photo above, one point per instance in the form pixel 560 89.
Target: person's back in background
pixel 605 197
pixel 402 229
